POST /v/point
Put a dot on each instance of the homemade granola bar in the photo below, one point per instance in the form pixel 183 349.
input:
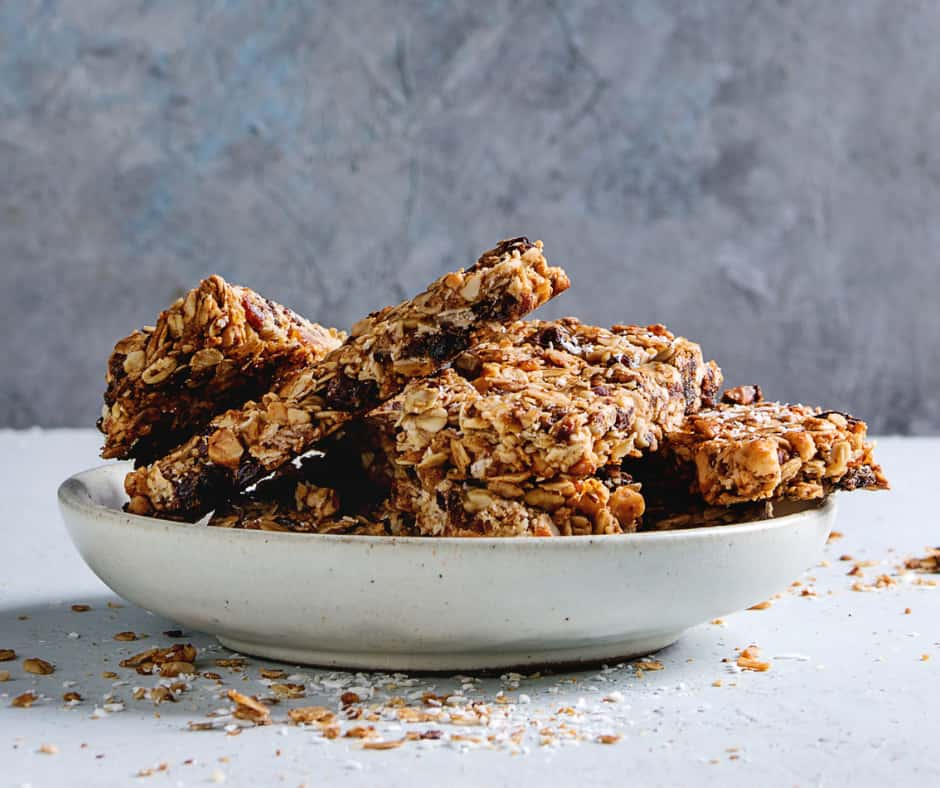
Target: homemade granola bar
pixel 383 353
pixel 606 504
pixel 736 453
pixel 256 514
pixel 543 400
pixel 216 348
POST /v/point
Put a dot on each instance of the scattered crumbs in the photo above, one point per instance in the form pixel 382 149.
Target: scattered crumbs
pixel 608 738
pixel 125 636
pixel 928 563
pixel 924 657
pixel 718 622
pixel 72 697
pixel 48 749
pixel 907 611
pixel 109 674
pixel 824 563
pixel 833 535
pixel 846 557
pixel 761 605
pixel 749 659
pixel 4 675
pixel 22 618
pixel 81 608
pixel 716 683
pixel 7 654
pixel 115 605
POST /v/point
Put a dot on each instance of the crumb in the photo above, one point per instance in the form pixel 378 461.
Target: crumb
pixel 125 636
pixel 924 657
pixel 761 606
pixel 25 700
pixel 608 738
pixel 907 611
pixel 48 749
pixel 81 608
pixel 749 660
pixel 4 675
pixel 833 535
pixel 38 666
pixel 716 683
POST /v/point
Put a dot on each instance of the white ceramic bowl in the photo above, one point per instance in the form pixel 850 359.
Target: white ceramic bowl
pixel 434 604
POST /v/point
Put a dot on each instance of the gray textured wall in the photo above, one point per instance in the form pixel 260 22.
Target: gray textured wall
pixel 763 177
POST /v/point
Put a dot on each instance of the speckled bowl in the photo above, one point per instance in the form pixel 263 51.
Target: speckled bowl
pixel 434 604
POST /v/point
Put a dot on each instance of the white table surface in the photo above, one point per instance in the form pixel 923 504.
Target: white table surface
pixel 848 699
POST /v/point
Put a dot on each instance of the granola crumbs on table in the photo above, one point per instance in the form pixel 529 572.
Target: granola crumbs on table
pixel 749 659
pixel 7 654
pixel 249 708
pixel 38 666
pixel 25 700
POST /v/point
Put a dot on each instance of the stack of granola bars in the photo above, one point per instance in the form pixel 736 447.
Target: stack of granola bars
pixel 451 415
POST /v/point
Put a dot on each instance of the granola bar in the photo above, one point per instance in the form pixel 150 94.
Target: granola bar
pixel 216 348
pixel 562 507
pixel 262 515
pixel 546 399
pixel 765 450
pixel 383 353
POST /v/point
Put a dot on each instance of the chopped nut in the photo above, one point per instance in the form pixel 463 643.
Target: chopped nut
pixel 25 700
pixel 38 666
pixel 289 690
pixel 248 708
pixel 72 697
pixel 272 673
pixel 311 714
pixel 7 654
pixel 174 669
pixel 125 636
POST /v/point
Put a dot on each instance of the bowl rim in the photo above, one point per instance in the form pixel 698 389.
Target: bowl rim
pixel 74 494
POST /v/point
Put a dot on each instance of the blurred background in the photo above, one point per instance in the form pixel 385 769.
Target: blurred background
pixel 761 177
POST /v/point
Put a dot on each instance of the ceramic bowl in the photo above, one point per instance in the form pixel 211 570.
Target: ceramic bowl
pixel 446 604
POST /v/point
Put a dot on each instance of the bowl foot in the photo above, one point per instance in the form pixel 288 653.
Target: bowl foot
pixel 450 662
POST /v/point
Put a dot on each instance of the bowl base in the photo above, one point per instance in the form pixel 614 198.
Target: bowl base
pixel 451 662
